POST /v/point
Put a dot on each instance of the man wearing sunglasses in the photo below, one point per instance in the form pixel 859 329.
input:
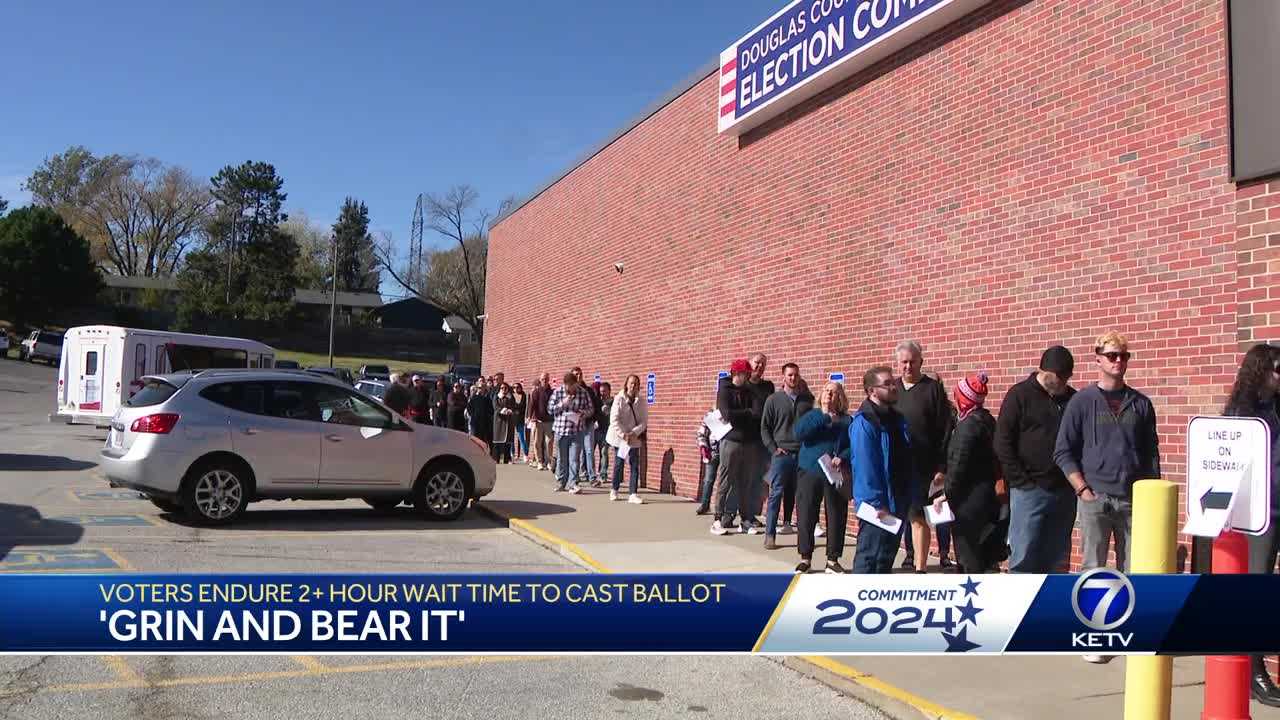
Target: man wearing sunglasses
pixel 1107 441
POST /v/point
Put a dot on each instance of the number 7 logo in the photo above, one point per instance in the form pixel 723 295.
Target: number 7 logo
pixel 1101 594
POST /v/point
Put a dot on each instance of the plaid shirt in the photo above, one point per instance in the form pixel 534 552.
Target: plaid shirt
pixel 581 404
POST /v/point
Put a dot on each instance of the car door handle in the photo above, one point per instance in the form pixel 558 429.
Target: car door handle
pixel 333 438
pixel 249 431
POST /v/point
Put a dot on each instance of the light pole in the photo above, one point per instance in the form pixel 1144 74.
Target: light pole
pixel 333 296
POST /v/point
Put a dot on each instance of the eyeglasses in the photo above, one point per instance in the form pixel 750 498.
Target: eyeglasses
pixel 1116 356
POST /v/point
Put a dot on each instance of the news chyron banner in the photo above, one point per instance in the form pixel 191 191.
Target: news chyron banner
pixel 1098 611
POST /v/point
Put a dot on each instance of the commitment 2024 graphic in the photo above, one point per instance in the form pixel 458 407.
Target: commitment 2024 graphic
pixel 823 614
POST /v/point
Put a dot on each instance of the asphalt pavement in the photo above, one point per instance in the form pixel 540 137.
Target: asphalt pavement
pixel 58 515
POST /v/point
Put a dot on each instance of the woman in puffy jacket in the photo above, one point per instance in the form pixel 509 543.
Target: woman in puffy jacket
pixel 970 486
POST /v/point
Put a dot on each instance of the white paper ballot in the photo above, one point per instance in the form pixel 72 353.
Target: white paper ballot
pixel 570 415
pixel 718 426
pixel 834 476
pixel 888 522
pixel 939 517
pixel 624 450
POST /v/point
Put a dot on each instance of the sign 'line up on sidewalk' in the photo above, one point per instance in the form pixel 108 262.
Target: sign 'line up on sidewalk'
pixel 1228 476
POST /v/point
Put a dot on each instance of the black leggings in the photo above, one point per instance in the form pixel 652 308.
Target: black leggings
pixel 812 490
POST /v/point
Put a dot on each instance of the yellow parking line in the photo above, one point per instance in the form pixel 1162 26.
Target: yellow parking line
pixel 293 674
pixel 309 663
pixel 118 558
pixel 152 519
pixel 123 671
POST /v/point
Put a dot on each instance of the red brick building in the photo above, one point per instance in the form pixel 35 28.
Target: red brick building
pixel 1034 173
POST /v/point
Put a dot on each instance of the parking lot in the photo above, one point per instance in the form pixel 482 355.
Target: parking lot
pixel 58 515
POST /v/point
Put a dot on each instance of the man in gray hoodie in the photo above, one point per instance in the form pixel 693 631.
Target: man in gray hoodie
pixel 780 413
pixel 1107 441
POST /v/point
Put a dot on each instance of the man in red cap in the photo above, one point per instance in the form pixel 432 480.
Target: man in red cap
pixel 738 461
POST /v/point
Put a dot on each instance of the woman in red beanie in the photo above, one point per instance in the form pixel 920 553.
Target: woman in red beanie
pixel 972 471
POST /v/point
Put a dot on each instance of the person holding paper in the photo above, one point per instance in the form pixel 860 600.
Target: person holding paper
pixel 1254 395
pixel 740 449
pixel 628 419
pixel 571 406
pixel 970 485
pixel 882 471
pixel 823 434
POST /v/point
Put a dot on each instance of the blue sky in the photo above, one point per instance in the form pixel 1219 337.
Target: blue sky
pixel 379 100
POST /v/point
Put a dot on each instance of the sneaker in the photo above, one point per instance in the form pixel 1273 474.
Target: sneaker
pixel 558 489
pixel 1097 659
pixel 702 511
pixel 909 563
pixel 717 528
pixel 575 490
pixel 786 529
pixel 770 543
pixel 945 563
pixel 753 528
pixel 834 568
pixel 819 532
pixel 542 467
pixel 613 495
pixel 635 499
pixel 802 567
pixel 596 483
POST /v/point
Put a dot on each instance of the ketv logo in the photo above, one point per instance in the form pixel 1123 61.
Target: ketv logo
pixel 1103 600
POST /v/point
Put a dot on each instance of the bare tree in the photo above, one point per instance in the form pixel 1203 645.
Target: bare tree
pixel 315 254
pixel 452 278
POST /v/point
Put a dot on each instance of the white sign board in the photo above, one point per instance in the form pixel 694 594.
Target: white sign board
pixel 1228 476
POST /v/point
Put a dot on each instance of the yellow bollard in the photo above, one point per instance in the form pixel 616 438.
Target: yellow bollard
pixel 1148 681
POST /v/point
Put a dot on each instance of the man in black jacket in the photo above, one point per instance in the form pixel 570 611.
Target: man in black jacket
pixel 738 461
pixel 1042 504
pixel 923 402
pixel 783 450
pixel 760 390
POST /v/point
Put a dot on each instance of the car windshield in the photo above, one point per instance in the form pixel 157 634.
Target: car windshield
pixel 51 338
pixel 154 391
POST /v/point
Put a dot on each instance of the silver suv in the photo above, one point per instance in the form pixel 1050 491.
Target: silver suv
pixel 209 443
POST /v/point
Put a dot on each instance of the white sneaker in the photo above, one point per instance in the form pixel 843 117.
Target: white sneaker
pixel 575 490
pixel 635 499
pixel 717 528
pixel 751 529
pixel 786 529
pixel 1097 659
pixel 613 495
pixel 819 532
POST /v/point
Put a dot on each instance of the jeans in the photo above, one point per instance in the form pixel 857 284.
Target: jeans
pixel 522 438
pixel 588 452
pixel 708 484
pixel 1040 523
pixel 605 451
pixel 782 476
pixel 568 446
pixel 812 492
pixel 876 549
pixel 633 461
pixel 1101 519
pixel 737 473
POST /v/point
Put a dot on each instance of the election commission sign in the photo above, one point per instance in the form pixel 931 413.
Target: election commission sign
pixel 1101 610
pixel 810 45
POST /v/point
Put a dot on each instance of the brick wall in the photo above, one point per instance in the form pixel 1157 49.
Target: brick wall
pixel 1258 269
pixel 1034 174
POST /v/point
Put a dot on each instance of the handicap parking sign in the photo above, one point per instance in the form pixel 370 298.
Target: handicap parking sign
pixel 651 388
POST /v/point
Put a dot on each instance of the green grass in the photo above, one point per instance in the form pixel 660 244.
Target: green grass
pixel 354 363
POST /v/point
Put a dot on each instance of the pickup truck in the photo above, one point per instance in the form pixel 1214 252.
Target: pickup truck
pixel 41 345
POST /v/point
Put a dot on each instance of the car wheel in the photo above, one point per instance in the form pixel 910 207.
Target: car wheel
pixel 441 491
pixel 168 506
pixel 216 492
pixel 384 504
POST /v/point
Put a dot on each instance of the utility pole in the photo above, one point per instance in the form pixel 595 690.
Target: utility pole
pixel 333 296
pixel 231 244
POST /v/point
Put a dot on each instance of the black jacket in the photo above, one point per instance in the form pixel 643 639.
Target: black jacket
pixel 457 406
pixel 1026 432
pixel 929 421
pixel 736 405
pixel 481 409
pixel 397 397
pixel 972 469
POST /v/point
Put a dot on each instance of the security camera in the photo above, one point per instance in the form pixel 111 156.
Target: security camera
pixel 619 267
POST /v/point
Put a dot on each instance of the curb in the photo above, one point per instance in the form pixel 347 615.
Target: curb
pixel 537 535
pixel 889 699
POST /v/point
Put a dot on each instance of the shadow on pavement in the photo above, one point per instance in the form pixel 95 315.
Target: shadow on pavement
pixel 23 525
pixel 42 463
pixel 528 509
pixel 264 517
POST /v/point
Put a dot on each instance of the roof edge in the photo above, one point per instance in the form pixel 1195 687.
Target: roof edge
pixel 670 96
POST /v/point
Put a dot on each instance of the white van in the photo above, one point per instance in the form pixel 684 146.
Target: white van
pixel 102 365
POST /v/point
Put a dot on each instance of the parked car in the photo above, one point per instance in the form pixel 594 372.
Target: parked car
pixel 374 372
pixel 4 343
pixel 288 365
pixel 340 373
pixel 41 345
pixel 465 374
pixel 209 443
pixel 375 389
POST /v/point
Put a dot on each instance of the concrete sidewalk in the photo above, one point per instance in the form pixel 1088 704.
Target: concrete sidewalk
pixel 664 535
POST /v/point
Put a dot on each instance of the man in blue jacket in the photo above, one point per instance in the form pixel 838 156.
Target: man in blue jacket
pixel 882 471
